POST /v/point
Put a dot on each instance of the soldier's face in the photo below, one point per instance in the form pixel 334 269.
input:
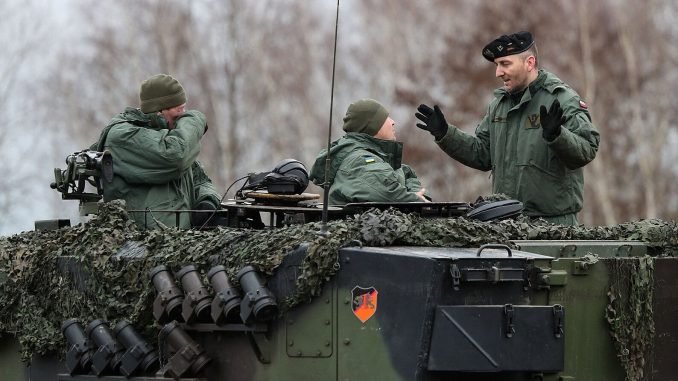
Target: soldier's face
pixel 387 130
pixel 514 72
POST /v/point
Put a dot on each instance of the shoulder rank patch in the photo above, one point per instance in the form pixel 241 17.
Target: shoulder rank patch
pixel 368 159
pixel 364 302
pixel 583 104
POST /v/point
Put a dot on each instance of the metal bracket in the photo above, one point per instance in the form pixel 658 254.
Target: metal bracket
pixel 558 317
pixel 261 346
pixel 567 249
pixel 529 270
pixel 456 276
pixel 494 273
pixel 580 267
pixel 509 327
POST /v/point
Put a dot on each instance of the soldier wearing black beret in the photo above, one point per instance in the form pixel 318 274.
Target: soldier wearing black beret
pixel 507 45
pixel 535 138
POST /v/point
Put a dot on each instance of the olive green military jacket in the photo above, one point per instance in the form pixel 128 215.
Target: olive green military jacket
pixel 155 167
pixel 366 169
pixel 546 176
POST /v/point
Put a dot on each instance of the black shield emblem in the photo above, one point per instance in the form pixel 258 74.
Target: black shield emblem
pixel 364 302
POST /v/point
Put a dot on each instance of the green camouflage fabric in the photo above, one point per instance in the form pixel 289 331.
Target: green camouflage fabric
pixel 364 169
pixel 630 305
pixel 156 168
pixel 99 270
pixel 546 177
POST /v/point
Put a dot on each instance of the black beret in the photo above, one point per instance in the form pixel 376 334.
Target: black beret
pixel 507 45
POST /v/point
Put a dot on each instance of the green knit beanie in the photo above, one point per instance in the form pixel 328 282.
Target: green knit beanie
pixel 366 116
pixel 160 92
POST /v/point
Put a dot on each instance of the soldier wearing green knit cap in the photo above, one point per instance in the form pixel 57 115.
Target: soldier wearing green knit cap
pixel 154 149
pixel 365 164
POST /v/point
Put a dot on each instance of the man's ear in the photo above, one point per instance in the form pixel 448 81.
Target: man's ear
pixel 531 61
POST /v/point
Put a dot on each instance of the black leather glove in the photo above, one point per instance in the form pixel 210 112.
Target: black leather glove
pixel 551 121
pixel 434 120
pixel 206 215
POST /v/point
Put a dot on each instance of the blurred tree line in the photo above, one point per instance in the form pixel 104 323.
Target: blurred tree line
pixel 261 72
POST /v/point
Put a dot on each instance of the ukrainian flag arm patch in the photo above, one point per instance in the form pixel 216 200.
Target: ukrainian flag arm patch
pixel 368 159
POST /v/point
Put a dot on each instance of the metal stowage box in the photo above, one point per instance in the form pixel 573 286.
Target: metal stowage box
pixel 497 338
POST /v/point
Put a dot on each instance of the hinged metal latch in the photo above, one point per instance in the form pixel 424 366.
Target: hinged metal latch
pixel 509 328
pixel 456 276
pixel 494 273
pixel 558 317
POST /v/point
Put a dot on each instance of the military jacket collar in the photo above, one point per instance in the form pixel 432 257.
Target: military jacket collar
pixel 544 80
pixel 389 151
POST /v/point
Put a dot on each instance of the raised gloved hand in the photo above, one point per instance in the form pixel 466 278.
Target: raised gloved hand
pixel 551 121
pixel 204 215
pixel 434 120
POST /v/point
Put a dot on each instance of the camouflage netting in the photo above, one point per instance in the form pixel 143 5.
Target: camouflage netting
pixel 629 313
pixel 39 287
